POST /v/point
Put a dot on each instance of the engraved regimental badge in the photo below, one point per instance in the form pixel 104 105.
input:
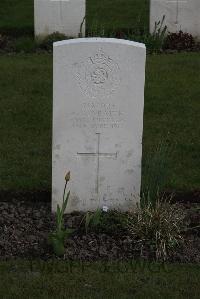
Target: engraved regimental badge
pixel 98 76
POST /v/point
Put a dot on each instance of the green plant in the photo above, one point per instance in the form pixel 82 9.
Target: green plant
pixel 155 41
pixel 158 227
pixel 113 222
pixel 179 41
pixel 92 219
pixel 108 222
pixel 24 44
pixel 47 42
pixel 57 238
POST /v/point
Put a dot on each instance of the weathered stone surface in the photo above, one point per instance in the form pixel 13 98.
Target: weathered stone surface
pixel 179 15
pixel 64 16
pixel 98 122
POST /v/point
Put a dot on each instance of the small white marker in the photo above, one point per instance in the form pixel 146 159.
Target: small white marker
pixel 105 208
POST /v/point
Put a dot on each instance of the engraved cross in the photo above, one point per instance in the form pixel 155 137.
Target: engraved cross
pixel 98 154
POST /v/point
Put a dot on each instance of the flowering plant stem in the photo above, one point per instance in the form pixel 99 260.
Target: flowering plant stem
pixel 57 238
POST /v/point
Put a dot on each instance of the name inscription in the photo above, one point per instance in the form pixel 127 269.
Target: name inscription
pixel 98 116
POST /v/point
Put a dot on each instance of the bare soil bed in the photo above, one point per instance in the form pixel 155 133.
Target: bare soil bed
pixel 26 220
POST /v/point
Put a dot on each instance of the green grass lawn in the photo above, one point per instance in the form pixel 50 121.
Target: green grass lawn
pixel 121 14
pixel 25 129
pixel 17 15
pixel 172 109
pixel 92 281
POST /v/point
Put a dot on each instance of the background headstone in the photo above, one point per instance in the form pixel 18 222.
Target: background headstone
pixel 179 15
pixel 98 122
pixel 64 16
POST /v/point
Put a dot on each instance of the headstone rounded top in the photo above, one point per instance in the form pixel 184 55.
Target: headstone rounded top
pixel 99 40
pixel 98 122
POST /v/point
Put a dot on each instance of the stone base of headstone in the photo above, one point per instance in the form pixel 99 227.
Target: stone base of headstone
pixel 63 16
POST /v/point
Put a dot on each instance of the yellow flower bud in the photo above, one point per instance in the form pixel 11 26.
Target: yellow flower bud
pixel 67 177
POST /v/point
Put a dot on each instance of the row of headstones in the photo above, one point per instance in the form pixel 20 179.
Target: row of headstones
pixel 68 16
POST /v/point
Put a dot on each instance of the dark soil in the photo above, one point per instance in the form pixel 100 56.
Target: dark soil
pixel 11 43
pixel 25 225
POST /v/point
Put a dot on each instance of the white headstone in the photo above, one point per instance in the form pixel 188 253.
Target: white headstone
pixel 179 15
pixel 98 122
pixel 64 16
